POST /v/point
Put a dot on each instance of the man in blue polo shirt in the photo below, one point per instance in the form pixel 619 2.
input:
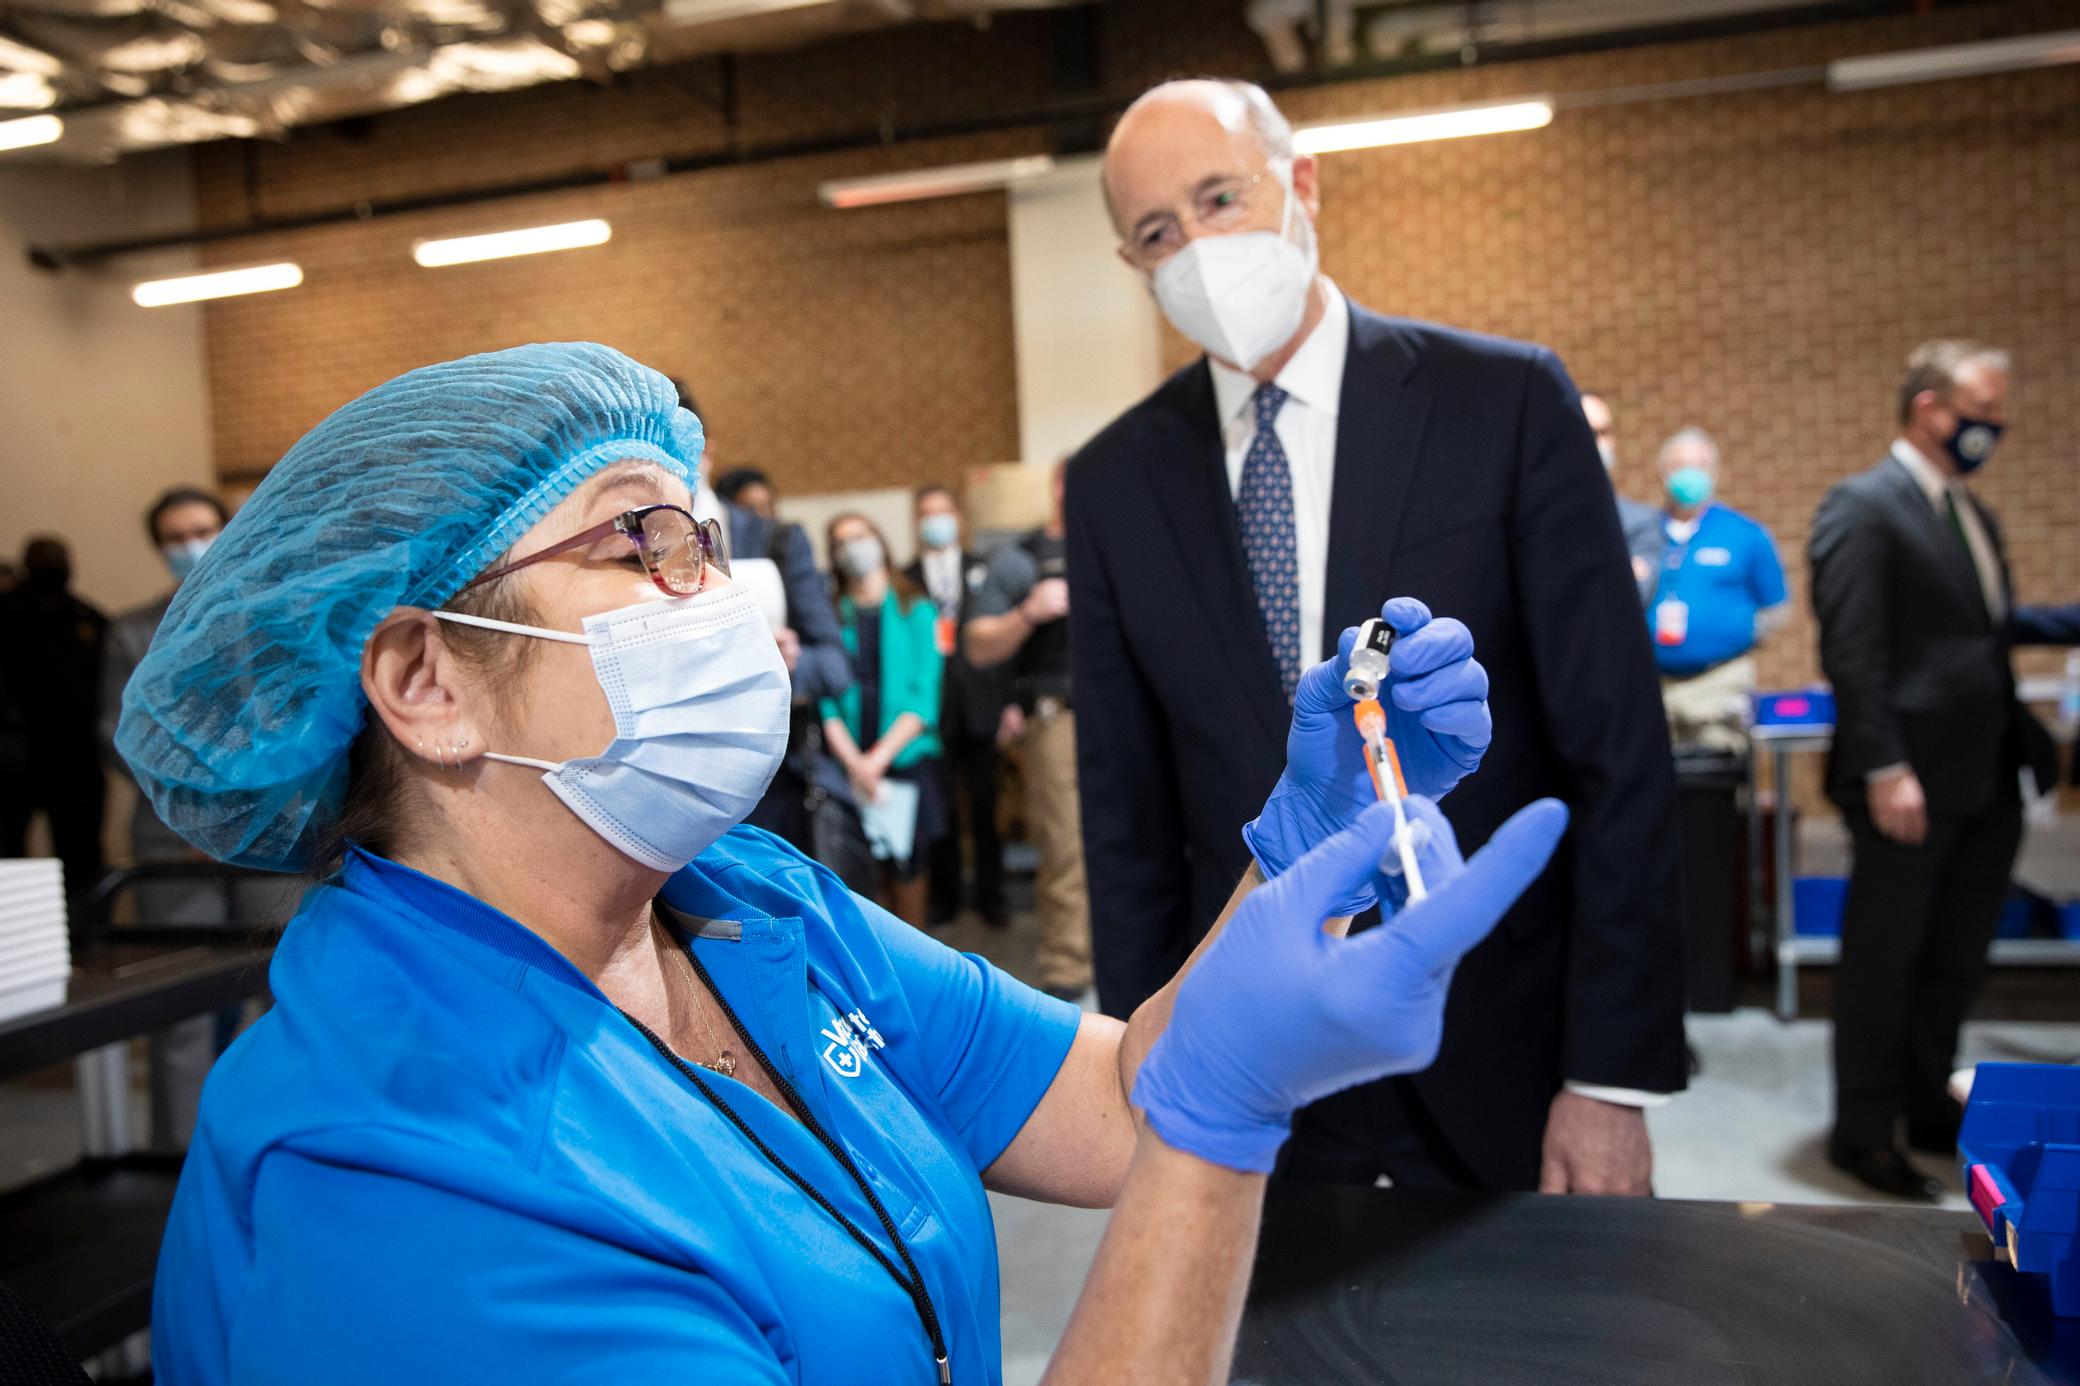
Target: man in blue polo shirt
pixel 1721 589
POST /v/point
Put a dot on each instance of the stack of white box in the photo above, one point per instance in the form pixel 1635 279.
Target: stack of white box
pixel 35 952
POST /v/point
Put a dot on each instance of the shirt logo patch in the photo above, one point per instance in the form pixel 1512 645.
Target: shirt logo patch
pixel 850 1037
pixel 1714 558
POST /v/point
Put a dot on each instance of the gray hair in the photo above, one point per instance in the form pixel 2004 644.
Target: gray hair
pixel 1934 366
pixel 1268 123
pixel 1689 433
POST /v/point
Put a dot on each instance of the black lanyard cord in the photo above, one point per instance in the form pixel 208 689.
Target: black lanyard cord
pixel 913 1283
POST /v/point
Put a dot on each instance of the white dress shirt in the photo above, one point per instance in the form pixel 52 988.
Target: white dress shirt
pixel 1306 426
pixel 943 578
pixel 1307 430
pixel 1938 486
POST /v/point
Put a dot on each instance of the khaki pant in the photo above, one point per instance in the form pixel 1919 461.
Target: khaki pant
pixel 1705 709
pixel 1057 828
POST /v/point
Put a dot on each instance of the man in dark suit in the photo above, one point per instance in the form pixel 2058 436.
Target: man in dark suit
pixel 972 709
pixel 1206 564
pixel 1911 589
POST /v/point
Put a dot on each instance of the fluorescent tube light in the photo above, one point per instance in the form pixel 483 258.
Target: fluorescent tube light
pixel 914 185
pixel 30 130
pixel 192 288
pixel 715 11
pixel 1955 60
pixel 1457 122
pixel 498 245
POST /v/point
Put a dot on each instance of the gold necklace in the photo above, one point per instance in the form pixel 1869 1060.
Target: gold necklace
pixel 725 1063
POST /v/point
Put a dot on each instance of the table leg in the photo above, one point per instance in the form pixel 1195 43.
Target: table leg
pixel 1787 938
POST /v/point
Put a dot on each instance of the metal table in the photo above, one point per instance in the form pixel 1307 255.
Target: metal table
pixel 1377 1286
pixel 80 1246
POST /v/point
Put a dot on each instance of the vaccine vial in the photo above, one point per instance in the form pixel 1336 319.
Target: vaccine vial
pixel 1369 660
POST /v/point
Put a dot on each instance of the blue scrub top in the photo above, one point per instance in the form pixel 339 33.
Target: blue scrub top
pixel 444 1156
pixel 1725 575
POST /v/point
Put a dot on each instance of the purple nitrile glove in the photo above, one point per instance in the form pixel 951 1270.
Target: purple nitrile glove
pixel 1278 1014
pixel 1436 701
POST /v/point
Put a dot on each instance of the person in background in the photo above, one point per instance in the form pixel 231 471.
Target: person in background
pixel 808 636
pixel 1719 591
pixel 750 489
pixel 181 525
pixel 1209 567
pixel 1021 617
pixel 1640 522
pixel 971 710
pixel 1911 589
pixel 54 642
pixel 886 727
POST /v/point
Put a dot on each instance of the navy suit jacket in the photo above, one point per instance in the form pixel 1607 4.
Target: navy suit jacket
pixel 1465 475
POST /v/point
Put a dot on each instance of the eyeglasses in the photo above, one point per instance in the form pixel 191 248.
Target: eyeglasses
pixel 675 549
pixel 1217 207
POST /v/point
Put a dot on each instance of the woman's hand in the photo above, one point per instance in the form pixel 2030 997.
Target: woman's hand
pixel 1277 1014
pixel 1436 700
pixel 865 774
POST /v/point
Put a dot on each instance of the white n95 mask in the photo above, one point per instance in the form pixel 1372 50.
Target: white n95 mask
pixel 1241 296
pixel 700 698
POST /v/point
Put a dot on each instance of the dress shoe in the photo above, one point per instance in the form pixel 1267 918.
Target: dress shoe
pixel 1938 1137
pixel 1886 1169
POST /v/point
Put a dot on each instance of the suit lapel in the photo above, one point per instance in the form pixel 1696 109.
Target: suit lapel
pixel 1938 537
pixel 1379 434
pixel 1190 482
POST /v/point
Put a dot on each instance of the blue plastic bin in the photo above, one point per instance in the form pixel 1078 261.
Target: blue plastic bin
pixel 2069 919
pixel 2020 1153
pixel 1816 905
pixel 2017 912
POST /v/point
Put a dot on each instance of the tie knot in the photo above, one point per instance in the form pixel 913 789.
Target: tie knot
pixel 1268 400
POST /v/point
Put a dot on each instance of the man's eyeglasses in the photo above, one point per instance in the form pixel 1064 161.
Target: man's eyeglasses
pixel 1219 206
pixel 674 548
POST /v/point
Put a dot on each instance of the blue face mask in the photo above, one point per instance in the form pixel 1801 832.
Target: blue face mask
pixel 1972 442
pixel 700 698
pixel 182 556
pixel 939 531
pixel 1688 486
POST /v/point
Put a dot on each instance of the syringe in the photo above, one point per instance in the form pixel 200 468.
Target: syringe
pixel 1385 767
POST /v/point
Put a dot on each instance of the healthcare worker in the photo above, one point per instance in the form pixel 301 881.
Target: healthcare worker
pixel 571 1078
pixel 1720 592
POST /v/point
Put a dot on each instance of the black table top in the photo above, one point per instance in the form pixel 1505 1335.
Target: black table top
pixel 124 989
pixel 1407 1289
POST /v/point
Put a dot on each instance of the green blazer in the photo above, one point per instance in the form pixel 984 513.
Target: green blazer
pixel 910 669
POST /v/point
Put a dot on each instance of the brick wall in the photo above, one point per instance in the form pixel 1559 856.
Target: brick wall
pixel 1758 264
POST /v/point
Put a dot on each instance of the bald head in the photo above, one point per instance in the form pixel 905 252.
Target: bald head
pixel 1182 135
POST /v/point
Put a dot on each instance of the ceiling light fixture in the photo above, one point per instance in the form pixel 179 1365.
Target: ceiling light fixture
pixel 499 245
pixel 192 288
pixel 30 130
pixel 915 185
pixel 1955 60
pixel 1456 122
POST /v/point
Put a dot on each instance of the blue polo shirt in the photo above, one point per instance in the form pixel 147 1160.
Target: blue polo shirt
pixel 444 1156
pixel 1724 575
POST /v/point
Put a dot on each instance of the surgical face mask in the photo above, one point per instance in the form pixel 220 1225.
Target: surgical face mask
pixel 182 555
pixel 1972 442
pixel 858 557
pixel 1690 486
pixel 700 698
pixel 1608 453
pixel 939 531
pixel 1241 296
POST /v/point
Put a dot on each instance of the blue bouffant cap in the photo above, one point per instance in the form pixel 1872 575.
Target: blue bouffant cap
pixel 238 722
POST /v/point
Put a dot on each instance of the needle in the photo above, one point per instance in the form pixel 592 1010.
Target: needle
pixel 1384 765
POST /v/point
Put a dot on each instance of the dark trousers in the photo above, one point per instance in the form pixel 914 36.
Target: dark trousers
pixel 1914 936
pixel 68 785
pixel 970 768
pixel 1361 1133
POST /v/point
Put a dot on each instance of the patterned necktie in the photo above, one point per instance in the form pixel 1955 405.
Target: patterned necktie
pixel 1265 504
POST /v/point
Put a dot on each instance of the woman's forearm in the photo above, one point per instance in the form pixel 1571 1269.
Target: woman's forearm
pixel 1165 1293
pixel 839 738
pixel 905 729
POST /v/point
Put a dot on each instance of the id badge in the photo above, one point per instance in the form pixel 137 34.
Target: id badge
pixel 1671 621
pixel 947 636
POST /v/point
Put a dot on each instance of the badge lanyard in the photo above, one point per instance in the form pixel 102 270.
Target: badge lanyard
pixel 1671 613
pixel 912 1283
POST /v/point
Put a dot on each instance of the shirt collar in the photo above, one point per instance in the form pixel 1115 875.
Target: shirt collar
pixel 1314 376
pixel 1926 474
